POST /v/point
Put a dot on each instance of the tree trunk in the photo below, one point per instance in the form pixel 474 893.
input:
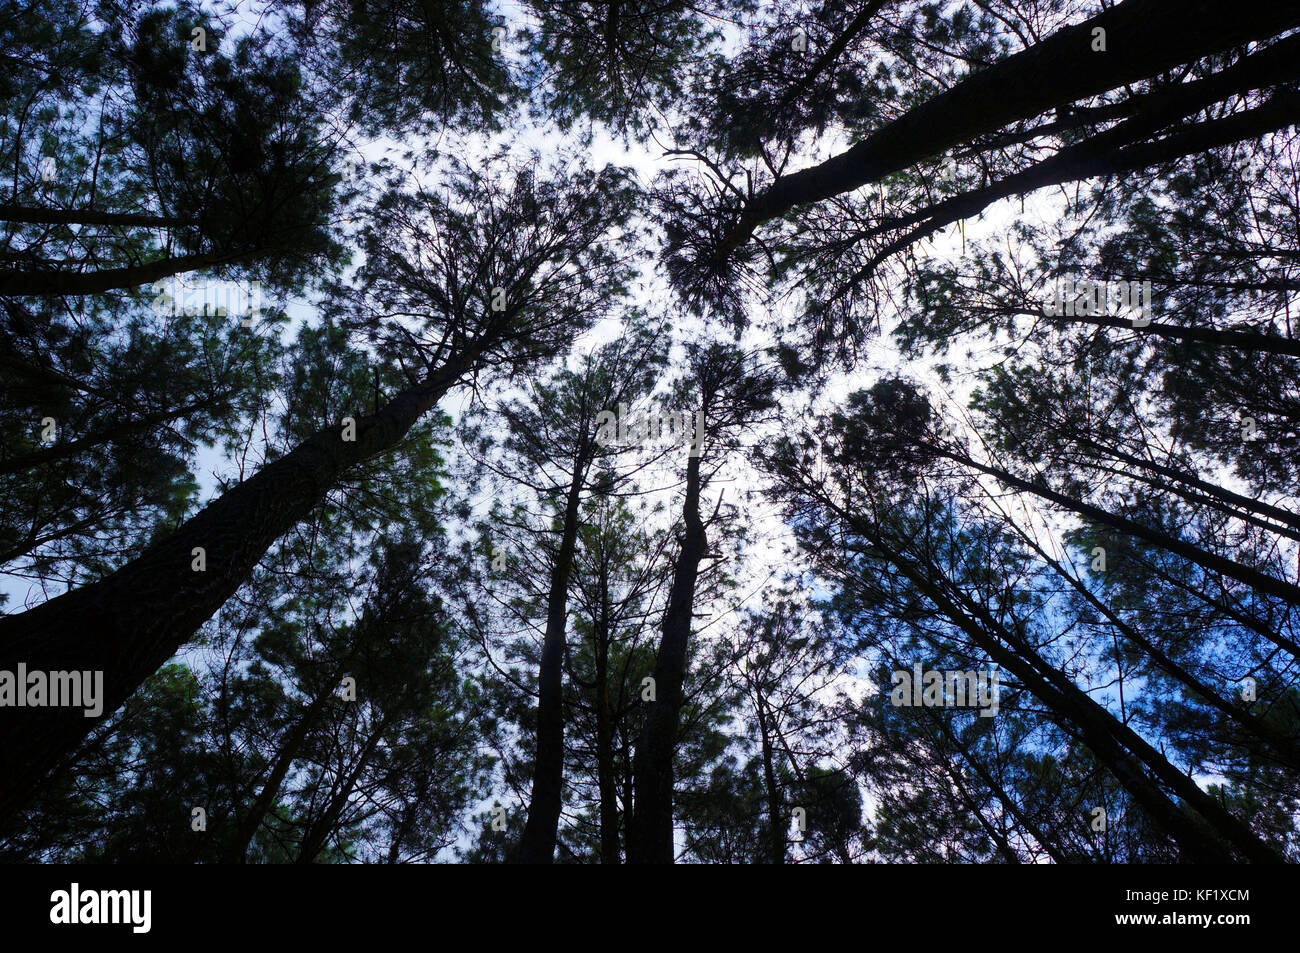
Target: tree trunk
pixel 284 760
pixel 1189 487
pixel 1201 826
pixel 650 835
pixel 318 832
pixel 1091 158
pixel 1259 581
pixel 776 831
pixel 1227 337
pixel 1144 38
pixel 537 846
pixel 609 853
pixel 1283 745
pixel 1115 744
pixel 1021 818
pixel 17 281
pixel 60 216
pixel 129 623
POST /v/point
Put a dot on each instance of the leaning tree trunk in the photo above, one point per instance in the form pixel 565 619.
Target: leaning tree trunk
pixel 290 748
pixel 1283 746
pixel 1259 581
pixel 58 281
pixel 129 623
pixel 1206 831
pixel 318 832
pixel 650 834
pixel 1144 38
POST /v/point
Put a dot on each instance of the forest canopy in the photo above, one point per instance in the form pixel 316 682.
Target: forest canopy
pixel 648 431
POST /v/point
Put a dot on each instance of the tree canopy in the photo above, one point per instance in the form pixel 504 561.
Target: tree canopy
pixel 848 431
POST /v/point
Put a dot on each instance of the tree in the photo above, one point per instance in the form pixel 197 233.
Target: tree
pixel 556 447
pixel 728 391
pixel 223 151
pixel 556 276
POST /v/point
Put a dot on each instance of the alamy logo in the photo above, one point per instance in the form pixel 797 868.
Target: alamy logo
pixel 632 428
pixel 216 298
pixel 946 688
pixel 1094 298
pixel 76 906
pixel 37 689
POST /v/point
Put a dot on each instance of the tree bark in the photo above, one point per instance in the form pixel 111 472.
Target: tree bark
pixel 537 845
pixel 650 835
pixel 130 622
pixel 605 776
pixel 776 829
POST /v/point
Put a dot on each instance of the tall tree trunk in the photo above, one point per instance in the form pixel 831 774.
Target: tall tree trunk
pixel 1008 803
pixel 1283 746
pixel 1259 581
pixel 1092 158
pixel 284 759
pixel 626 776
pixel 1206 834
pixel 537 846
pixel 650 835
pixel 318 832
pixel 609 853
pixel 972 806
pixel 776 829
pixel 1226 337
pixel 129 623
pixel 1144 38
pixel 1191 479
